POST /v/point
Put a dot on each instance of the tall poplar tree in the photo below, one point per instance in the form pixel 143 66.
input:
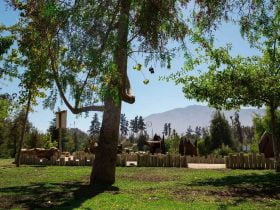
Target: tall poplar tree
pixel 94 128
pixel 124 125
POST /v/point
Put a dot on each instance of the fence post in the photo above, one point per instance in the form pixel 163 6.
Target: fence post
pixel 254 161
pixel 241 163
pixel 267 163
pixel 235 159
pixel 250 158
pixel 262 161
pixel 183 161
pixel 168 160
pixel 178 161
pixel 259 161
pixel 227 161
pixel 273 163
pixel 230 161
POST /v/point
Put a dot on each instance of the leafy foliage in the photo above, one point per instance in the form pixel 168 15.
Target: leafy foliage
pixel 223 151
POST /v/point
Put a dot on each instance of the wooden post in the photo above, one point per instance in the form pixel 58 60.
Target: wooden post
pixel 60 139
pixel 169 161
pixel 154 161
pixel 262 161
pixel 267 165
pixel 241 160
pixel 178 161
pixel 62 161
pixel 258 161
pixel 250 165
pixel 273 164
pixel 234 161
pixel 227 161
pixel 246 161
pixel 61 123
pixel 254 161
pixel 183 162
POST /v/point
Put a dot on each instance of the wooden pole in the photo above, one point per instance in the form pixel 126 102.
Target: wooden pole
pixel 60 132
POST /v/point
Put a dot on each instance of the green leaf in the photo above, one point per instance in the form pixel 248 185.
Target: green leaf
pixel 138 67
pixel 146 81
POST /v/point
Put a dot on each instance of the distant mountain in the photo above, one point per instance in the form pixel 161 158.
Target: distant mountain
pixel 195 115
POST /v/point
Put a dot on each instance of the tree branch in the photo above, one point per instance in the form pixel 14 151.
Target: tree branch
pixel 74 110
pixel 105 38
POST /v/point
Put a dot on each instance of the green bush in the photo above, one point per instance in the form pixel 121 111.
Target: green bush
pixel 223 151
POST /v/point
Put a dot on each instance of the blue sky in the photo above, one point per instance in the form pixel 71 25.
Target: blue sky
pixel 157 96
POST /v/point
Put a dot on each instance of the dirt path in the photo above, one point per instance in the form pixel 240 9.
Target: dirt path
pixel 206 166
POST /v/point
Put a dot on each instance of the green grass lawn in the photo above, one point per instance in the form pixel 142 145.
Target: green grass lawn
pixel 56 187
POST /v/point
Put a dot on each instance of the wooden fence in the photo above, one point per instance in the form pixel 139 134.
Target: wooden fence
pixel 147 160
pixel 63 161
pixel 211 159
pixel 142 160
pixel 249 161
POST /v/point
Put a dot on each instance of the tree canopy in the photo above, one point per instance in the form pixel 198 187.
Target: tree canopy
pixel 80 49
pixel 232 81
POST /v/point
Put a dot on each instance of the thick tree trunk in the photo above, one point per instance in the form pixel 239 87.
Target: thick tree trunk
pixel 17 160
pixel 103 171
pixel 274 137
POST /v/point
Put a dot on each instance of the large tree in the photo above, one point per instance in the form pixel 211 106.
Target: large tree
pixel 234 81
pixel 85 46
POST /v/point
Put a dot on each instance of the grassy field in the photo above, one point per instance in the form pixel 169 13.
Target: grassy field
pixel 31 187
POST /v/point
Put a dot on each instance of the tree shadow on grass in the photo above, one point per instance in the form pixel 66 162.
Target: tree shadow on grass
pixel 66 195
pixel 241 188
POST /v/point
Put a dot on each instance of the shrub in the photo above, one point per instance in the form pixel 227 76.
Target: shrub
pixel 223 151
pixel 203 146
